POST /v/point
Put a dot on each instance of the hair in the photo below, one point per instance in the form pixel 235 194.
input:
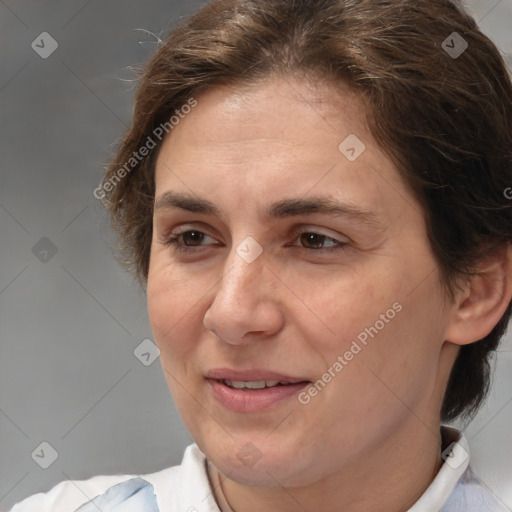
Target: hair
pixel 444 120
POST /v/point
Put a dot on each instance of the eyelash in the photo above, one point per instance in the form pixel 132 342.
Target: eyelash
pixel 174 242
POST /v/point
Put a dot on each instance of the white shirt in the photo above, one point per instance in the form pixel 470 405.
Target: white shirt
pixel 187 488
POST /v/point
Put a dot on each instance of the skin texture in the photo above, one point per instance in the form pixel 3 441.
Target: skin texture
pixel 370 439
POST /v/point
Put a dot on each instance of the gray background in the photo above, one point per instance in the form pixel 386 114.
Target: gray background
pixel 69 325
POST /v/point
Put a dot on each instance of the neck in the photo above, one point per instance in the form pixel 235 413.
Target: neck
pixel 389 479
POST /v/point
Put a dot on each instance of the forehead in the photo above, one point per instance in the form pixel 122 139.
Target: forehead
pixel 273 137
pixel 281 109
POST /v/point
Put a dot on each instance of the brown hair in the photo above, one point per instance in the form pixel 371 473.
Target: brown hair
pixel 444 119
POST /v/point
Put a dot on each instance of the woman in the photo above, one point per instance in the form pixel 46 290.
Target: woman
pixel 315 195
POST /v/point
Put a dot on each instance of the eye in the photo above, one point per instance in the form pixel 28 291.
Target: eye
pixel 186 241
pixel 312 240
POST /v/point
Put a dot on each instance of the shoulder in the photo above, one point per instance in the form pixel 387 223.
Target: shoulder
pixel 69 495
pixel 179 488
pixel 139 491
pixel 470 495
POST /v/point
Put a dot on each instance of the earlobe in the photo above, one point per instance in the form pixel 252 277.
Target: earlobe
pixel 486 298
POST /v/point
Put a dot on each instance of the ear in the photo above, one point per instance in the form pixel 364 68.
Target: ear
pixel 484 299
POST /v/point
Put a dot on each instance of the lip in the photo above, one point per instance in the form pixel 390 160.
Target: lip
pixel 252 375
pixel 254 400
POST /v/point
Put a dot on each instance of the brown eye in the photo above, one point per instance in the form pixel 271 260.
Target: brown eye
pixel 195 237
pixel 314 239
pixel 187 241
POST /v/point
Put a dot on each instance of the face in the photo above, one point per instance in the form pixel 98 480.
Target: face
pixel 279 255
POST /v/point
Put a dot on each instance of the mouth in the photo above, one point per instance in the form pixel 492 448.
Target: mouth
pixel 252 391
pixel 255 384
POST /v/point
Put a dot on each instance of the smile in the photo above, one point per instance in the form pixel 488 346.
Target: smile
pixel 254 390
pixel 255 384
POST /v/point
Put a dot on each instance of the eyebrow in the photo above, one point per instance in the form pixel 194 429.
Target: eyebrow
pixel 290 207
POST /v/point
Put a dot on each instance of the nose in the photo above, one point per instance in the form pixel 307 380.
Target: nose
pixel 244 302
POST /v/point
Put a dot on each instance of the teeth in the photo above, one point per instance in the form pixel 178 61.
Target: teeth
pixel 258 384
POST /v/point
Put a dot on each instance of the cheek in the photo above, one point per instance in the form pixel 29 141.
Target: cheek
pixel 396 368
pixel 384 334
pixel 173 304
pixel 172 307
pixel 338 309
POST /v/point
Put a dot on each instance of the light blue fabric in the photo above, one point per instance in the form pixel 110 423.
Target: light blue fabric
pixel 470 495
pixel 135 495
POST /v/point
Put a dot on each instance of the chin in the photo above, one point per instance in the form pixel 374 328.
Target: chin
pixel 267 466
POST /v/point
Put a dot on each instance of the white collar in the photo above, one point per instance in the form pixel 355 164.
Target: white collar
pixel 456 456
